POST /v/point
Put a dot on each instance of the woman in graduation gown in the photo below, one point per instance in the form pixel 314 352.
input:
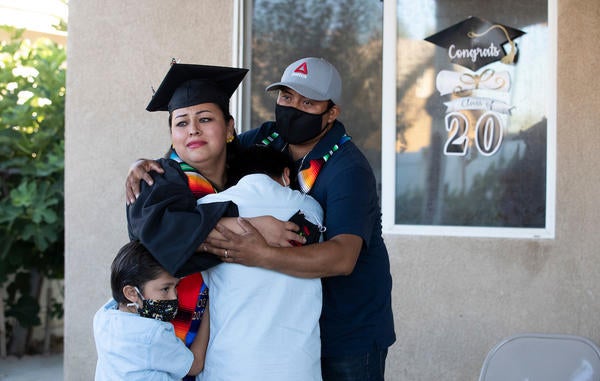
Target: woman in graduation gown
pixel 203 142
pixel 197 100
pixel 164 216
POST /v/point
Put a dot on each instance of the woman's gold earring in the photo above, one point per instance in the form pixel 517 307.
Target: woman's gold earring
pixel 229 139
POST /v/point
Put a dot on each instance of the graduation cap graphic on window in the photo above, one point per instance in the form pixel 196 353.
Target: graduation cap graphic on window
pixel 474 43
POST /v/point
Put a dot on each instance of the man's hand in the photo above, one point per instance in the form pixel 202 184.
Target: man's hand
pixel 246 248
pixel 140 170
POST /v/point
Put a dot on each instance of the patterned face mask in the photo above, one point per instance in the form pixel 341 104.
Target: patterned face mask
pixel 164 310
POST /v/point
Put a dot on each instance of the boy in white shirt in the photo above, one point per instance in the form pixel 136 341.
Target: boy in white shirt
pixel 134 337
pixel 264 324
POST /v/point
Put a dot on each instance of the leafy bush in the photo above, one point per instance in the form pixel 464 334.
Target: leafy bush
pixel 32 95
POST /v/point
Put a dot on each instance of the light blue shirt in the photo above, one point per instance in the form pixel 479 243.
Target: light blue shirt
pixel 131 347
pixel 264 325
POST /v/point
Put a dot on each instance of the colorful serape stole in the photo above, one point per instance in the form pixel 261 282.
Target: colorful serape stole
pixel 191 290
pixel 199 185
pixel 193 296
pixel 308 176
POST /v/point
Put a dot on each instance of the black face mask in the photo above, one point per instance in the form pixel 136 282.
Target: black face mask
pixel 296 126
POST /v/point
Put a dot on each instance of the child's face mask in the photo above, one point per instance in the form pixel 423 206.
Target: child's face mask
pixel 164 310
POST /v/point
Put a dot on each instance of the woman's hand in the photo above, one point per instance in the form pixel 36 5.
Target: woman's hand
pixel 140 170
pixel 276 232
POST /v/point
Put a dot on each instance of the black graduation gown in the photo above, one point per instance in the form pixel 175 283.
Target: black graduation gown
pixel 167 221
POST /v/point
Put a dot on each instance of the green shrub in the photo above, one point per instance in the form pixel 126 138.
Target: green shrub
pixel 32 96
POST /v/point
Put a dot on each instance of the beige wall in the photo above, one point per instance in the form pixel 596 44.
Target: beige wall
pixel 454 298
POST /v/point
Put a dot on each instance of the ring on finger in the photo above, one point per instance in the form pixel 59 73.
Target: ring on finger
pixel 226 254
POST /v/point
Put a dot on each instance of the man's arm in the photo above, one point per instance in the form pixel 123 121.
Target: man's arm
pixel 336 256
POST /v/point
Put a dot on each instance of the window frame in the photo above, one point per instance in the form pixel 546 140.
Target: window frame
pixel 241 56
pixel 388 178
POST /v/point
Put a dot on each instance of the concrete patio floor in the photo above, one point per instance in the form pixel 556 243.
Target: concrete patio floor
pixel 32 368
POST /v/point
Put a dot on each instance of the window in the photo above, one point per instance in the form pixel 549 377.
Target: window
pixel 472 151
pixel 472 162
pixel 348 34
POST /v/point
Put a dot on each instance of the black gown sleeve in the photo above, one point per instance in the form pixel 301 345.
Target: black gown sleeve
pixel 166 219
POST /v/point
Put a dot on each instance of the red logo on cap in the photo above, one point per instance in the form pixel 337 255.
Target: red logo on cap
pixel 302 69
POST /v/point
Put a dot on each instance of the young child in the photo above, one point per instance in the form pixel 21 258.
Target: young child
pixel 134 337
pixel 264 325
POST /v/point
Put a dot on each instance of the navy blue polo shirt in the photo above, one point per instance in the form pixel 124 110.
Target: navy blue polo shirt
pixel 357 311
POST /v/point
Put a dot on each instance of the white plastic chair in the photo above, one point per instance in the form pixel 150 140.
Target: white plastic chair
pixel 542 357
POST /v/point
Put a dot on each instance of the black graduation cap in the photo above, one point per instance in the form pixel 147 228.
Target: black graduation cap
pixel 187 85
pixel 475 43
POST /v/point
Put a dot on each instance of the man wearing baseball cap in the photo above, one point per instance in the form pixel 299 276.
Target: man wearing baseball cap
pixel 356 321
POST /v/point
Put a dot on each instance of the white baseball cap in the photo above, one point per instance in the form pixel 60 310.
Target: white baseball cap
pixel 313 78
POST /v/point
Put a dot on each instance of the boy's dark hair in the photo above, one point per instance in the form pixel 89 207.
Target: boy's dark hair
pixel 133 265
pixel 259 159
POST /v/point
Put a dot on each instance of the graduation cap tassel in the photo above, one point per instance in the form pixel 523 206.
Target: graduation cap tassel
pixel 510 57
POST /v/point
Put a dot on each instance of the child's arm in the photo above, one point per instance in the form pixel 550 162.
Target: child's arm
pixel 200 343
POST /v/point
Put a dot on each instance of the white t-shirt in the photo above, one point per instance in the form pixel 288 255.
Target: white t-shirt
pixel 131 347
pixel 264 325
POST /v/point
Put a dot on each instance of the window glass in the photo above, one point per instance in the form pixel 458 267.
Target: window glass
pixel 472 113
pixel 474 158
pixel 348 34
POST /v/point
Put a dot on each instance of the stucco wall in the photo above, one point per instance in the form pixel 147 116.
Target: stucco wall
pixel 454 298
